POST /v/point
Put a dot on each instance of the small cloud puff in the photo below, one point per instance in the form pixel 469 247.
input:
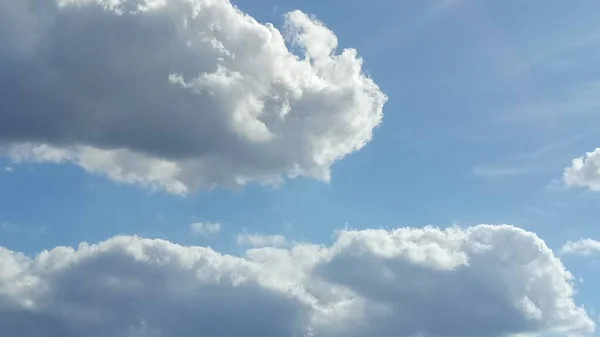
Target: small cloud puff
pixel 584 171
pixel 581 247
pixel 205 228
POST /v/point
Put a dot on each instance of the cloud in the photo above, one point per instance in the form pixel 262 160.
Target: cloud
pixel 584 171
pixel 205 228
pixel 179 95
pixel 531 162
pixel 561 143
pixel 260 240
pixel 9 169
pixel 581 247
pixel 28 231
pixel 481 281
pixel 396 34
pixel 492 171
pixel 6 226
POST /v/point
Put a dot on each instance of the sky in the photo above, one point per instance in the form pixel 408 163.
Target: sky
pixel 286 168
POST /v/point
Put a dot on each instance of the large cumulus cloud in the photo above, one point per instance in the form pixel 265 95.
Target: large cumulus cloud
pixel 179 94
pixel 481 281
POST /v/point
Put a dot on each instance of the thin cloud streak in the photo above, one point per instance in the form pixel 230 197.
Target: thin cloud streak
pixel 395 34
pixel 528 162
pixel 491 171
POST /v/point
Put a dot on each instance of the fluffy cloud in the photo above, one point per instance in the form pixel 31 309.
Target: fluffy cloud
pixel 584 171
pixel 205 228
pixel 482 281
pixel 179 94
pixel 582 247
pixel 260 240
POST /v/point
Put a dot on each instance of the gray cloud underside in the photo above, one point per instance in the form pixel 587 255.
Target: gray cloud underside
pixel 481 281
pixel 179 94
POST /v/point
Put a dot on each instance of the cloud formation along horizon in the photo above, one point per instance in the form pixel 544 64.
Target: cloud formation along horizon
pixel 181 94
pixel 480 281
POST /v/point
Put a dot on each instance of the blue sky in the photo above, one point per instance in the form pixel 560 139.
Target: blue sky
pixel 488 103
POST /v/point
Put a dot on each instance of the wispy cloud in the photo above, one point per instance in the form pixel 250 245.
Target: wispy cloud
pixel 260 240
pixel 530 162
pixel 401 30
pixel 496 171
pixel 557 51
pixel 539 212
pixel 205 228
pixel 556 185
pixel 567 100
pixel 6 226
pixel 561 143
pixel 9 227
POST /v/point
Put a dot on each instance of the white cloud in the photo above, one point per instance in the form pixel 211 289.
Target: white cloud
pixel 179 94
pixel 481 281
pixel 260 240
pixel 582 247
pixel 584 171
pixel 9 169
pixel 205 228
